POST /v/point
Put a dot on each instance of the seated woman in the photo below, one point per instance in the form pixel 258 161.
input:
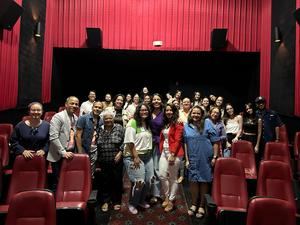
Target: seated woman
pixel 31 137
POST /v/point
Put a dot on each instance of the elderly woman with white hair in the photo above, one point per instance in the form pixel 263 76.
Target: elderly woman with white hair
pixel 109 145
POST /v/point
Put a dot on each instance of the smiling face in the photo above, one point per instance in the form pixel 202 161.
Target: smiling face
pixel 169 112
pixel 72 105
pixel 196 114
pixel 36 111
pixel 144 112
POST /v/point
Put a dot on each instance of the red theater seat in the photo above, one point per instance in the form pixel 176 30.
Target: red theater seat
pixel 4 150
pixel 283 134
pixel 278 151
pixel 26 175
pixel 243 150
pixel 270 211
pixel 274 180
pixel 6 129
pixel 48 115
pixel 296 154
pixel 73 190
pixel 36 207
pixel 229 192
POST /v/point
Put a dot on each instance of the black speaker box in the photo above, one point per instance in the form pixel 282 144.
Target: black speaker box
pixel 218 39
pixel 297 15
pixel 10 12
pixel 94 37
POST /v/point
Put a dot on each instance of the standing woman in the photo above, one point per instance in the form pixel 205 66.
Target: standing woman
pixel 201 148
pixel 138 157
pixel 171 148
pixel 31 137
pixel 252 128
pixel 156 125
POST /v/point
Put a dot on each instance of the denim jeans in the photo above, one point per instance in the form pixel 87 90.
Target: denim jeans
pixel 144 174
pixel 156 185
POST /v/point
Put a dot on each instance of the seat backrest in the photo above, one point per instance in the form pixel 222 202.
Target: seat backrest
pixel 61 108
pixel 274 180
pixel 4 150
pixel 48 115
pixel 277 151
pixel 283 134
pixel 297 145
pixel 75 179
pixel 27 174
pixel 27 117
pixel 6 129
pixel 229 187
pixel 270 211
pixel 32 207
pixel 243 150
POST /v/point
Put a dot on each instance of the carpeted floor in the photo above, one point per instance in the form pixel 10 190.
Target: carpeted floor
pixel 155 215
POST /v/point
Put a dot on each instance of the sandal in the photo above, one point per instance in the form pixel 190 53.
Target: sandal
pixel 200 213
pixel 104 207
pixel 192 210
pixel 117 207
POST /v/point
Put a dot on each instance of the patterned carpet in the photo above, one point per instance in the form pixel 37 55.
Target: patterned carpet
pixel 155 215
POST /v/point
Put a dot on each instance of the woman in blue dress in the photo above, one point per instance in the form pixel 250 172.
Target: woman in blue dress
pixel 201 149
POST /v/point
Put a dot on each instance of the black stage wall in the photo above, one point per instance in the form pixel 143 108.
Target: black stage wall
pixel 234 75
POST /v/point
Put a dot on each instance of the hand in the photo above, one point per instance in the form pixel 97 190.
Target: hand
pixel 40 152
pixel 118 157
pixel 187 163
pixel 171 159
pixel 213 161
pixel 136 162
pixel 68 155
pixel 235 139
pixel 28 154
pixel 256 148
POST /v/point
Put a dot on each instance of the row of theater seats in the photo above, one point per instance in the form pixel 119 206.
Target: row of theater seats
pixel 228 203
pixel 243 150
pixel 75 201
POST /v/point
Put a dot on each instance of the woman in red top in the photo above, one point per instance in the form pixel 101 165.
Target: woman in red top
pixel 171 148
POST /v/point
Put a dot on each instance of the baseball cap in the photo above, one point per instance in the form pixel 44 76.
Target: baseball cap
pixel 260 99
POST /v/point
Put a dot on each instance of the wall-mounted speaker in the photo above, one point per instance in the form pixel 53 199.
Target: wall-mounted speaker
pixel 94 37
pixel 218 39
pixel 10 12
pixel 297 15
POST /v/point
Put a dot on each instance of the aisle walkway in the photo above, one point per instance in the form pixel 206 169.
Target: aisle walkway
pixel 155 215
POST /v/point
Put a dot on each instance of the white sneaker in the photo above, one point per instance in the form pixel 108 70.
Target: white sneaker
pixel 144 205
pixel 132 209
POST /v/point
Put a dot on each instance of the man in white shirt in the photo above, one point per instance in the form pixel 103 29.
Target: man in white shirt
pixel 86 106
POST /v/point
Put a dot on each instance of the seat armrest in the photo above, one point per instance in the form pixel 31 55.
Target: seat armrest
pixel 92 201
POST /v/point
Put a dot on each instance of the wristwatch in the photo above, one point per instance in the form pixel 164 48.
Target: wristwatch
pixel 215 157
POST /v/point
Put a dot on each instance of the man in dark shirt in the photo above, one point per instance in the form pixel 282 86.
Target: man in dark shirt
pixel 270 122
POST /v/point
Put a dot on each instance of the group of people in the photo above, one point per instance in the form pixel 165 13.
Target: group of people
pixel 153 141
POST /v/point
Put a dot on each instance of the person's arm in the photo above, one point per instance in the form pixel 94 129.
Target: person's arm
pixel 15 141
pixel 54 134
pixel 187 161
pixel 177 138
pixel 78 140
pixel 277 134
pixel 134 155
pixel 239 133
pixel 216 147
pixel 259 132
